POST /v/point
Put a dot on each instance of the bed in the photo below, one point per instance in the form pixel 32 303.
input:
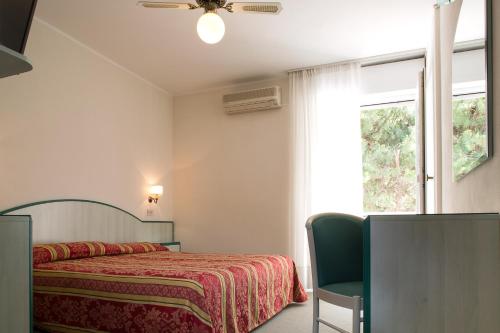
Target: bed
pixel 146 288
pixel 127 282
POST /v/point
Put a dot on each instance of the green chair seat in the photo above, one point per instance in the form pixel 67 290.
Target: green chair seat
pixel 349 289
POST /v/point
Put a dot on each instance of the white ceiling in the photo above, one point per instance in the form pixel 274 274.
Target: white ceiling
pixel 162 45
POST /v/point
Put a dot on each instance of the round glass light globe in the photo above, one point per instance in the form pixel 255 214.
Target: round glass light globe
pixel 211 28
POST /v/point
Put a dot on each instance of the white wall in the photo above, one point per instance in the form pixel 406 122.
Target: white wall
pixel 79 126
pixel 231 175
pixel 480 190
pixel 231 191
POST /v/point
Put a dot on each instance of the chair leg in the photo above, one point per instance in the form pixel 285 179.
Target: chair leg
pixel 315 314
pixel 356 315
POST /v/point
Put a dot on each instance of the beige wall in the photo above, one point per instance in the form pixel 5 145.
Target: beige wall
pixel 231 175
pixel 480 190
pixel 79 126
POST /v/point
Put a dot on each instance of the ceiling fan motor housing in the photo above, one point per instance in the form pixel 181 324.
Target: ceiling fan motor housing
pixel 211 5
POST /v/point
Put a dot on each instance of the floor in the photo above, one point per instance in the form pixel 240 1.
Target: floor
pixel 297 318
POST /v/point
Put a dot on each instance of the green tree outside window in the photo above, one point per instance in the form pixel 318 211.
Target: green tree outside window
pixel 389 151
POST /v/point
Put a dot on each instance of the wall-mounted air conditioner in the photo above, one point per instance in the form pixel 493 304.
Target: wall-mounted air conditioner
pixel 253 100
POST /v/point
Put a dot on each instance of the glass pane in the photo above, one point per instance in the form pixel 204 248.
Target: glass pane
pixel 389 152
pixel 470 134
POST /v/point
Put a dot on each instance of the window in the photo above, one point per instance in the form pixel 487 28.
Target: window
pixel 389 158
pixel 393 141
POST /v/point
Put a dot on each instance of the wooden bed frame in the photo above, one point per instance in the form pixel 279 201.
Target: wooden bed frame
pixel 72 220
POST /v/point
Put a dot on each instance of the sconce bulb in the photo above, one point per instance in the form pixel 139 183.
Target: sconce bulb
pixel 211 28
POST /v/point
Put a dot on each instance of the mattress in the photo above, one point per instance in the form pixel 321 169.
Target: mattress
pixel 163 291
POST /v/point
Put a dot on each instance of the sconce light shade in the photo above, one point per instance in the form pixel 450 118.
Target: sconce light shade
pixel 156 189
pixel 155 192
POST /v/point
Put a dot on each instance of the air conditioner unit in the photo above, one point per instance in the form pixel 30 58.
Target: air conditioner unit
pixel 253 100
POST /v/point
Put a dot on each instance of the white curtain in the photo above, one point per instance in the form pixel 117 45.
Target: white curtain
pixel 438 100
pixel 326 150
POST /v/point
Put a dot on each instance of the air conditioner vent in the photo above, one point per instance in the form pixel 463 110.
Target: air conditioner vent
pixel 253 100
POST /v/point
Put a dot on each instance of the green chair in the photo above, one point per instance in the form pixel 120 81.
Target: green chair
pixel 336 248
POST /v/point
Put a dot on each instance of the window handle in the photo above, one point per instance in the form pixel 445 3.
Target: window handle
pixel 427 178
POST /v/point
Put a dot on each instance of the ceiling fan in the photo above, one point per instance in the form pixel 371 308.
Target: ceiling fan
pixel 211 28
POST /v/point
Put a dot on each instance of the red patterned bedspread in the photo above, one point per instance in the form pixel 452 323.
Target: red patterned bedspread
pixel 163 292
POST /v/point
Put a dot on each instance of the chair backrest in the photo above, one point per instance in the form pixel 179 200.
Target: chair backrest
pixel 336 248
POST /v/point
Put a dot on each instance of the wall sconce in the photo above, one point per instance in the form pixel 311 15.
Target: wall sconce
pixel 155 192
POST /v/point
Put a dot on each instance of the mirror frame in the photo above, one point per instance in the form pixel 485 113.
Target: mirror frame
pixel 489 76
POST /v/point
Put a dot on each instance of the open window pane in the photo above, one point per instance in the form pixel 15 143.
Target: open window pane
pixel 389 158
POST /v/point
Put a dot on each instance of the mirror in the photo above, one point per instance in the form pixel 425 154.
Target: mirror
pixel 472 107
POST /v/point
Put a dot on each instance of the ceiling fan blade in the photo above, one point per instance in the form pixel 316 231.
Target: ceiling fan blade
pixel 254 7
pixel 167 5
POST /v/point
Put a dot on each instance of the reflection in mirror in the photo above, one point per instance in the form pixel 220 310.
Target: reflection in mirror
pixel 471 132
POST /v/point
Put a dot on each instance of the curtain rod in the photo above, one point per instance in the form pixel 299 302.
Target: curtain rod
pixel 376 60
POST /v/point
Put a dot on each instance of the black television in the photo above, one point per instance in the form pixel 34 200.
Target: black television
pixel 15 23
